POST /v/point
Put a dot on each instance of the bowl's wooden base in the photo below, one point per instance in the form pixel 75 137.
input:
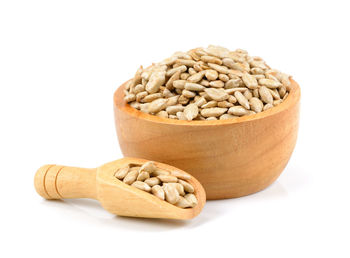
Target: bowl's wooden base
pixel 230 158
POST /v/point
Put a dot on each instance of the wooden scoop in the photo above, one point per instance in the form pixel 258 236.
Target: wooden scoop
pixel 60 182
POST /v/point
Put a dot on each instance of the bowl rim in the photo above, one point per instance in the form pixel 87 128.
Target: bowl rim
pixel 292 99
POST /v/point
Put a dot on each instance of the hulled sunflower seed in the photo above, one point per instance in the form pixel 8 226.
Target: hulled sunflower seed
pixel 167 178
pixel 216 94
pixel 238 111
pixel 191 111
pixel 130 177
pixel 187 186
pixel 142 186
pixel 158 191
pixel 142 176
pixel 152 181
pixel 242 100
pixel 157 105
pixel 213 112
pixel 211 75
pixel 193 86
pixel 191 198
pixel 122 172
pixel 265 95
pixel 250 81
pixel 256 104
pixel 171 194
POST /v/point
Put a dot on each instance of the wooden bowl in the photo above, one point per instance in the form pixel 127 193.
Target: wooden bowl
pixel 231 158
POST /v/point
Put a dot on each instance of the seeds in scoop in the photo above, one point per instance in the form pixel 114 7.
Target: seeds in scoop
pixel 170 186
pixel 185 76
pixel 142 186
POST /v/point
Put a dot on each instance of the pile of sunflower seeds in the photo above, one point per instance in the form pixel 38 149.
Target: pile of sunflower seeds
pixel 207 84
pixel 172 186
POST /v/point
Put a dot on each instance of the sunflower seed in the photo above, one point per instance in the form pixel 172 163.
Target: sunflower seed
pixel 142 186
pixel 215 111
pixel 191 111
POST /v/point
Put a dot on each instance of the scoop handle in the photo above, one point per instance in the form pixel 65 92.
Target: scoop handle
pixel 59 182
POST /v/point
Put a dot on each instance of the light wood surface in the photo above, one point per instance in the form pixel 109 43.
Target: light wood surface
pixel 60 182
pixel 231 158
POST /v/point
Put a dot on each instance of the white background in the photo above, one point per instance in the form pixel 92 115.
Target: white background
pixel 60 62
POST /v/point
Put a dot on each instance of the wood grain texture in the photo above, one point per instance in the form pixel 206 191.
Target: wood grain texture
pixel 231 158
pixel 60 182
